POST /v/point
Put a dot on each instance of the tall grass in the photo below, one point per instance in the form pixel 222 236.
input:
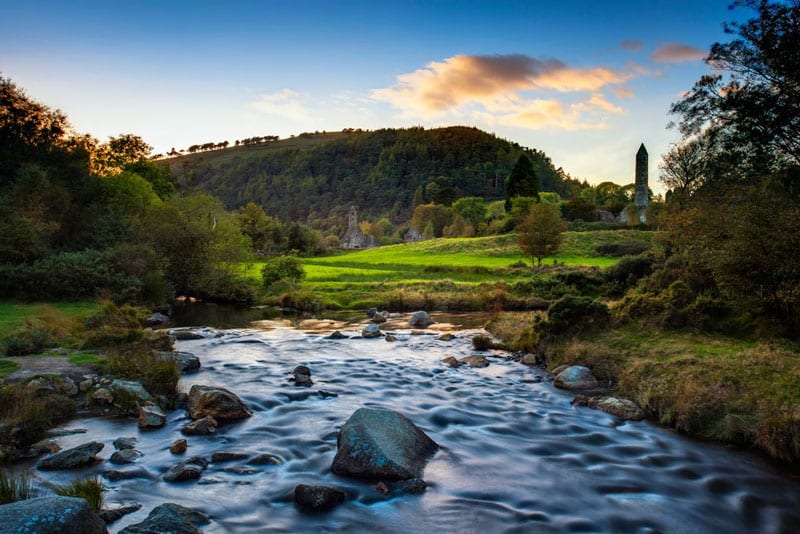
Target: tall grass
pixel 90 489
pixel 16 487
pixel 159 376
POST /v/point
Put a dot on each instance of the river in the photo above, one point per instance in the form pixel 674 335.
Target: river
pixel 515 455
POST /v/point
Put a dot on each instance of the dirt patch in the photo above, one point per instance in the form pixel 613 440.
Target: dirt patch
pixel 40 365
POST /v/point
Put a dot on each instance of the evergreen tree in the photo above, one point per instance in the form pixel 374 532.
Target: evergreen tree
pixel 521 181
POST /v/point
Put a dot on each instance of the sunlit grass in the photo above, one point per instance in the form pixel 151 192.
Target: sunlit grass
pixel 13 315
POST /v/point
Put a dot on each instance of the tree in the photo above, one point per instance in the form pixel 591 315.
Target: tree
pixel 122 150
pixel 755 96
pixel 435 215
pixel 579 209
pixel 683 168
pixel 521 181
pixel 473 209
pixel 540 234
pixel 26 127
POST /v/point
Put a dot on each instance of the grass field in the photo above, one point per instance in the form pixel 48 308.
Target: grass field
pixel 437 273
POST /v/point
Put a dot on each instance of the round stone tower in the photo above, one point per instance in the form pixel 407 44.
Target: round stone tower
pixel 641 196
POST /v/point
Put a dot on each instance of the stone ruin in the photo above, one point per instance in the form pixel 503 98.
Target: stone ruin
pixel 354 238
pixel 641 194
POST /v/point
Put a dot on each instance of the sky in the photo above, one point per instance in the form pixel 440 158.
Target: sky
pixel 584 81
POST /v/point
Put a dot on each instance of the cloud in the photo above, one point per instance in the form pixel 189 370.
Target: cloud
pixel 499 84
pixel 623 92
pixel 631 45
pixel 284 103
pixel 677 53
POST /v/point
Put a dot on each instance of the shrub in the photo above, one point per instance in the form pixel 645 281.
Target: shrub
pixel 623 248
pixel 572 315
pixel 90 489
pixel 28 416
pixel 627 272
pixel 47 328
pixel 282 268
pixel 159 376
pixel 15 487
pixel 584 282
pixel 114 325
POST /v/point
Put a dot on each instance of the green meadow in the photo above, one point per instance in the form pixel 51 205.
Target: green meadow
pixel 445 273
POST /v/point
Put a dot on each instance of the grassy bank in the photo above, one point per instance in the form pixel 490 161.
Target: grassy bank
pixel 467 274
pixel 730 390
pixel 13 315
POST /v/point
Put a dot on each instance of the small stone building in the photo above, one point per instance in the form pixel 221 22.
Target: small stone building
pixel 354 238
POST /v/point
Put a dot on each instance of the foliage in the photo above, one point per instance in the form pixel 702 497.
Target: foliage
pixel 571 315
pixel 48 328
pixel 579 209
pixel 89 489
pixel 481 342
pixel 158 375
pixel 628 271
pixel 471 209
pixel 521 181
pixel 540 234
pixel 16 487
pixel 281 268
pixel 266 233
pixel 623 248
pixel 435 215
pixel 386 173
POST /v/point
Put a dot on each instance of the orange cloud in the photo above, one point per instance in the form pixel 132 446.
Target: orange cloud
pixel 677 53
pixel 497 84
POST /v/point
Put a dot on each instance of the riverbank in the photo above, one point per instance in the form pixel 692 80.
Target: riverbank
pixel 735 391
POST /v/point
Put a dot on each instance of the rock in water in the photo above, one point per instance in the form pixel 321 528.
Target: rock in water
pixel 156 319
pixel 186 470
pixel 622 408
pixel 178 446
pixel 125 443
pixel 381 444
pixel 51 515
pixel 219 403
pixel 576 377
pixel 451 362
pixel 169 517
pixel 125 456
pixel 201 427
pixel 187 362
pixel 71 458
pixel 109 515
pixel 318 498
pixel 370 331
pixel 151 416
pixel 420 319
pixel 302 376
pixel 476 360
pixel 336 335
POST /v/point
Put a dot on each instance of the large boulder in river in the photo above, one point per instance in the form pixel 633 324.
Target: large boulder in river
pixel 420 319
pixel 219 403
pixel 71 458
pixel 382 444
pixel 169 517
pixel 576 377
pixel 51 515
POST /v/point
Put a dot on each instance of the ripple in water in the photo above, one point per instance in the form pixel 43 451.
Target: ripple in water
pixel 515 457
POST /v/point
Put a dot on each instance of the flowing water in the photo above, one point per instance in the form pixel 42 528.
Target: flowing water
pixel 515 455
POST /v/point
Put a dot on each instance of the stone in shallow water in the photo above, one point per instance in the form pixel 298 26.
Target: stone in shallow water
pixel 317 498
pixel 476 360
pixel 109 515
pixel 125 443
pixel 381 444
pixel 336 335
pixel 201 427
pixel 227 456
pixel 219 403
pixel 371 331
pixel 186 470
pixel 265 459
pixel 151 416
pixel 126 474
pixel 576 377
pixel 451 362
pixel 71 458
pixel 178 446
pixel 420 319
pixel 169 517
pixel 51 515
pixel 187 362
pixel 301 375
pixel 125 456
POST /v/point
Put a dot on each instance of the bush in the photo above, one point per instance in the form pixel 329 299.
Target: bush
pixel 627 272
pixel 282 268
pixel 482 342
pixel 572 315
pixel 90 489
pixel 15 488
pixel 159 376
pixel 623 248
pixel 114 325
pixel 584 282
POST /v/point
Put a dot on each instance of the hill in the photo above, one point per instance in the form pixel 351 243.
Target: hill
pixel 314 177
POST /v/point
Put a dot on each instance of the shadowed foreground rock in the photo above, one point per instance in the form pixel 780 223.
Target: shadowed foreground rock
pixel 317 498
pixel 171 518
pixel 51 515
pixel 219 403
pixel 381 444
pixel 71 458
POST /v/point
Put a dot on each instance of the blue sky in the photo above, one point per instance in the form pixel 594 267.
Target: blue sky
pixel 585 81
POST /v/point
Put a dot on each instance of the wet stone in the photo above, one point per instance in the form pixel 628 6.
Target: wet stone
pixel 125 443
pixel 318 498
pixel 476 360
pixel 110 515
pixel 186 470
pixel 125 456
pixel 451 362
pixel 71 458
pixel 336 335
pixel 115 475
pixel 201 427
pixel 227 456
pixel 301 376
pixel 265 459
pixel 171 518
pixel 178 446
